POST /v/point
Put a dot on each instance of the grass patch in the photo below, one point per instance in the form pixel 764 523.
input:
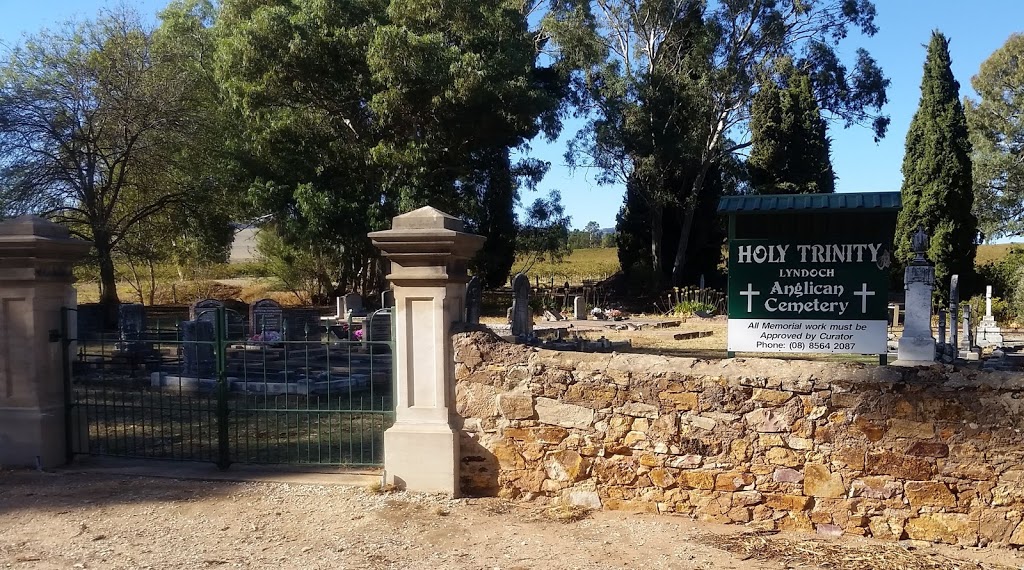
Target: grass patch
pixel 566 513
pixel 582 264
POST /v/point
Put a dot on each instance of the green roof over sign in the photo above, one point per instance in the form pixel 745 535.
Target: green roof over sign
pixel 777 203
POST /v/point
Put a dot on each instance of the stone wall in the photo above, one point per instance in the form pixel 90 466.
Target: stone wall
pixel 929 454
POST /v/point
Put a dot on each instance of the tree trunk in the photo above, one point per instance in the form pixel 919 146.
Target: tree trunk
pixel 152 284
pixel 657 229
pixel 689 208
pixel 108 283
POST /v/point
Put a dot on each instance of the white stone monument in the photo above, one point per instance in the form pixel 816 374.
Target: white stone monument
pixel 917 345
pixel 429 252
pixel 989 333
pixel 579 308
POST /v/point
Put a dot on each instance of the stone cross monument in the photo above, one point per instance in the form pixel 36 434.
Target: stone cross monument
pixel 989 333
pixel 429 251
pixel 917 345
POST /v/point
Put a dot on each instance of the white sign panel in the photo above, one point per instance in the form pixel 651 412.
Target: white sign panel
pixel 807 335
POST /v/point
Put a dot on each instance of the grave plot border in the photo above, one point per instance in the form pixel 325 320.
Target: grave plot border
pixel 307 402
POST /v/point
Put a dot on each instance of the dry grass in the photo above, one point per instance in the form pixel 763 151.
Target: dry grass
pixel 566 513
pixel 836 555
pixel 590 264
pixel 380 488
pixel 993 253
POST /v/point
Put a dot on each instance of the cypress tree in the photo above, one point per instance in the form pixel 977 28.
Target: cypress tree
pixel 790 152
pixel 937 186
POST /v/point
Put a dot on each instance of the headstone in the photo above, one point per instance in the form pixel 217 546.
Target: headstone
pixel 387 299
pixel 968 350
pixel 579 308
pixel 89 322
pixel 551 316
pixel 198 349
pixel 131 325
pixel 522 316
pixel 917 345
pixel 989 333
pixel 965 338
pixel 954 311
pixel 352 305
pixel 300 324
pixel 942 328
pixel 205 310
pixel 266 320
pixel 378 326
pixel 474 300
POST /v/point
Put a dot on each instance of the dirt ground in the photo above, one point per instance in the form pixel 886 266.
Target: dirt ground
pixel 86 520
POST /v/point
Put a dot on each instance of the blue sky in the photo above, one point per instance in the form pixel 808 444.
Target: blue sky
pixel 975 30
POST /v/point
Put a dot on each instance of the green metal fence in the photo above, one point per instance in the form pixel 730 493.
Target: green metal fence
pixel 209 393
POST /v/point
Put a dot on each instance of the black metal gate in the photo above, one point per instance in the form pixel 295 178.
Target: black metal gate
pixel 193 393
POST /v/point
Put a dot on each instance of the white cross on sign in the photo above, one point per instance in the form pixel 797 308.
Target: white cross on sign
pixel 750 294
pixel 864 294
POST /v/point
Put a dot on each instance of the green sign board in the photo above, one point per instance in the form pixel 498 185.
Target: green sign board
pixel 805 277
pixel 808 297
pixel 840 281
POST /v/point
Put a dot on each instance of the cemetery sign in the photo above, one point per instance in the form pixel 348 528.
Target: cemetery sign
pixel 793 289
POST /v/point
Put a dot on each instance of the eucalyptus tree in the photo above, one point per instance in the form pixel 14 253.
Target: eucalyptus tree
pixel 668 85
pixel 996 124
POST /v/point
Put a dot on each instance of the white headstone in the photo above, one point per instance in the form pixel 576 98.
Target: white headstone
pixel 579 308
pixel 989 333
pixel 917 345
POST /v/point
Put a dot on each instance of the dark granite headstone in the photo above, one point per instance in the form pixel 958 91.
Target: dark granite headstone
pixel 197 349
pixel 89 320
pixel 205 310
pixel 352 302
pixel 522 315
pixel 378 326
pixel 387 299
pixel 266 317
pixel 474 300
pixel 131 325
pixel 301 324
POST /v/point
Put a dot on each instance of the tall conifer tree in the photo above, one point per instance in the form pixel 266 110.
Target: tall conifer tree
pixel 937 186
pixel 790 152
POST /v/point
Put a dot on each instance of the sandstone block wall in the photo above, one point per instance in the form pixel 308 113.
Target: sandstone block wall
pixel 929 454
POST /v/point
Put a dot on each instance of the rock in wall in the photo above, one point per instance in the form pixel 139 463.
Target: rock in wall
pixel 932 454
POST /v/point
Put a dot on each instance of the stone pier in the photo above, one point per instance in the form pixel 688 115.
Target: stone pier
pixel 429 251
pixel 36 258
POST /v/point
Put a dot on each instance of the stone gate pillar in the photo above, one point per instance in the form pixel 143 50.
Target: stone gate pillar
pixel 36 258
pixel 428 250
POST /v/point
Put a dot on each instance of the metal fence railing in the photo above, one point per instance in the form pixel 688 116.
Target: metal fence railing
pixel 202 392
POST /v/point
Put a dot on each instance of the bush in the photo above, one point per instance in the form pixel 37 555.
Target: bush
pixel 1001 309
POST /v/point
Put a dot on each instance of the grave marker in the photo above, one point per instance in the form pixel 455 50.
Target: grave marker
pixel 266 319
pixel 198 338
pixel 205 310
pixel 522 317
pixel 474 300
pixel 989 333
pixel 579 308
pixel 916 345
pixel 352 305
pixel 378 326
pixel 131 325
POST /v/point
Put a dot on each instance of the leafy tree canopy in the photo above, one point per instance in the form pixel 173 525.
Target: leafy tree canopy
pixel 996 124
